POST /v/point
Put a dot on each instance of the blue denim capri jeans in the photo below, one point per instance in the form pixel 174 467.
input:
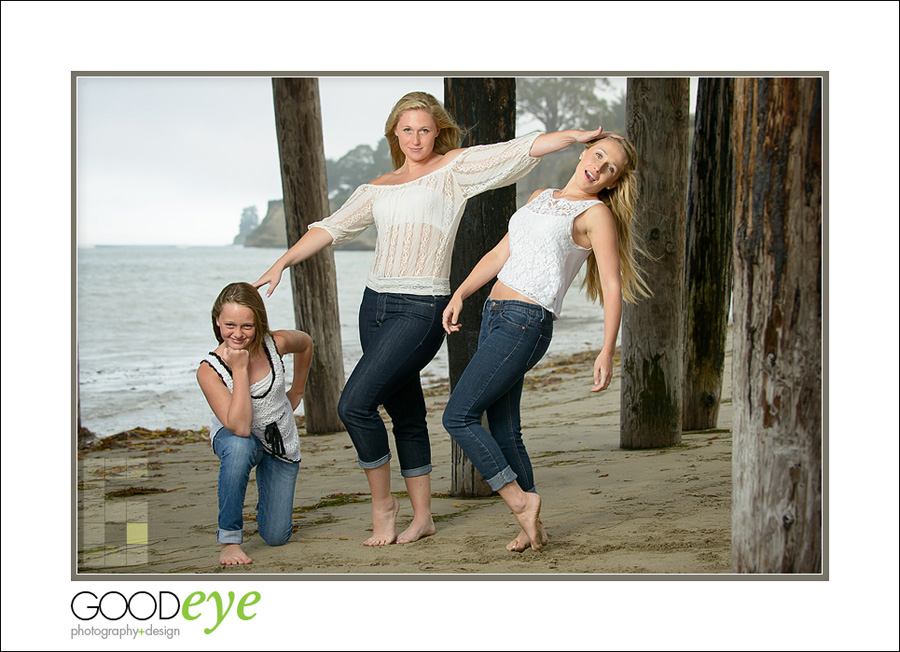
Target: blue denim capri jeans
pixel 399 334
pixel 275 481
pixel 514 336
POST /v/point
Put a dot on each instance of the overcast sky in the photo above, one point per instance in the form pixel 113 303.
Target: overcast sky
pixel 175 160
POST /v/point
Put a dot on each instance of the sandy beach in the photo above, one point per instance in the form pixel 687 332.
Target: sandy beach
pixel 147 501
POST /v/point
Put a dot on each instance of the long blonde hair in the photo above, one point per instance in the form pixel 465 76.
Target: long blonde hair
pixel 621 200
pixel 447 139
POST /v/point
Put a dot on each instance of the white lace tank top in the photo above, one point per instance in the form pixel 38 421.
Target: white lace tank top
pixel 273 417
pixel 417 221
pixel 543 257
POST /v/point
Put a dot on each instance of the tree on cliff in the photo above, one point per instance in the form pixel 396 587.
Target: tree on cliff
pixel 249 222
pixel 358 166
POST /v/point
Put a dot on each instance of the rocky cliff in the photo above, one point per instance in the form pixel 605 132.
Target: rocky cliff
pixel 271 231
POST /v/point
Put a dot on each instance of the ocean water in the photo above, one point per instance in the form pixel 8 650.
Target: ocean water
pixel 143 319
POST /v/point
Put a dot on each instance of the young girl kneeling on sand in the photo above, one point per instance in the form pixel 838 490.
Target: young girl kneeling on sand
pixel 253 416
pixel 549 239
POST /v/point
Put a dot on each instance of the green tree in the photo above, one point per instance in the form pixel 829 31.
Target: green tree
pixel 569 103
pixel 249 219
pixel 358 166
pixel 614 119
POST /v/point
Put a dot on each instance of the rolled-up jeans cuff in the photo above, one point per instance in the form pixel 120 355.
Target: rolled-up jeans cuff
pixel 414 473
pixel 374 465
pixel 502 479
pixel 230 536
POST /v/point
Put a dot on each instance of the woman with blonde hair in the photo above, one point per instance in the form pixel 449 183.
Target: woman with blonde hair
pixel 449 134
pixel 416 210
pixel 549 239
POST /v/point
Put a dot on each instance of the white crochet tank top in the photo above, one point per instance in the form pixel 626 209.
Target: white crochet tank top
pixel 543 257
pixel 273 417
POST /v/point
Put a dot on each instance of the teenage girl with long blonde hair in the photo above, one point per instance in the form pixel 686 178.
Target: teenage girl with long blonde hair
pixel 549 239
pixel 416 209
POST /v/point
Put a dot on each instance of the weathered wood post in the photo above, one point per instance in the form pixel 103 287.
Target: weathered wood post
pixel 298 123
pixel 777 459
pixel 487 108
pixel 652 329
pixel 709 268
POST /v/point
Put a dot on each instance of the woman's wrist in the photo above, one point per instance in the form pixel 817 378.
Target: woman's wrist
pixel 282 263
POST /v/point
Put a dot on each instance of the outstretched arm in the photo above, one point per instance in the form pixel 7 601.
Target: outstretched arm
pixel 312 242
pixel 343 225
pixel 553 142
pixel 486 269
pixel 301 345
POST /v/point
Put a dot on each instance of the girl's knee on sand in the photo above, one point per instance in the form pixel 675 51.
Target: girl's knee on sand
pixel 275 537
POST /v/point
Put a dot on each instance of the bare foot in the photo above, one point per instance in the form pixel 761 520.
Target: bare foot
pixel 417 530
pixel 529 518
pixel 522 541
pixel 233 555
pixel 384 519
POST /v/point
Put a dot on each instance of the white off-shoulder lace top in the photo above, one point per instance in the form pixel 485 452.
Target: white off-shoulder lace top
pixel 417 221
pixel 543 256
